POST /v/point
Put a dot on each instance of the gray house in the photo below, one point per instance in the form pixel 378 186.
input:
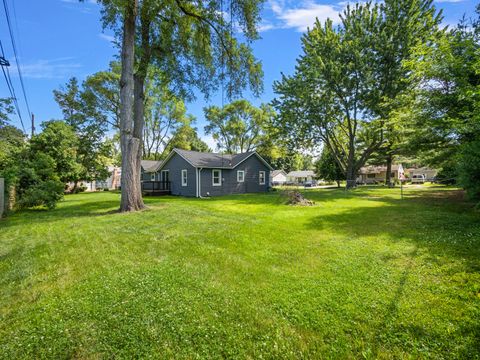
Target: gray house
pixel 150 170
pixel 192 173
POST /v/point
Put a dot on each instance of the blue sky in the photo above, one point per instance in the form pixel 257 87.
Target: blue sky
pixel 58 39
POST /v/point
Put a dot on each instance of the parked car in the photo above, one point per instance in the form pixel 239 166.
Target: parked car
pixel 418 179
pixel 312 183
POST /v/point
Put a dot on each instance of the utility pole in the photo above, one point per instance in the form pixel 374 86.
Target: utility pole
pixel 33 125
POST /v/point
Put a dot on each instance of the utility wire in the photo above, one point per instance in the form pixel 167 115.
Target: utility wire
pixel 16 56
pixel 11 89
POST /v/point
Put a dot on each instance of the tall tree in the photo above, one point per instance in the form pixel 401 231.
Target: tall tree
pixel 164 114
pixel 90 125
pixel 403 26
pixel 238 126
pixel 6 109
pixel 325 100
pixel 186 138
pixel 59 142
pixel 103 88
pixel 193 44
pixel 444 111
pixel 327 168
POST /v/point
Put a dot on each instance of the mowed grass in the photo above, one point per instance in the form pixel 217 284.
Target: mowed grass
pixel 361 274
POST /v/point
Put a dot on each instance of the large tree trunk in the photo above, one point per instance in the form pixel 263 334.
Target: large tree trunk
pixel 351 175
pixel 131 194
pixel 351 168
pixel 139 109
pixel 388 175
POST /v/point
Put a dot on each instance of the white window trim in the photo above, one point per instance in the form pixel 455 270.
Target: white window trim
pixel 219 177
pixel 184 183
pixel 162 176
pixel 238 175
pixel 260 178
pixel 152 177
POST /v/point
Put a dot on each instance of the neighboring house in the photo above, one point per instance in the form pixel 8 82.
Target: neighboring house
pixel 278 177
pixel 192 173
pixel 110 183
pixel 425 171
pixel 373 174
pixel 300 176
pixel 113 181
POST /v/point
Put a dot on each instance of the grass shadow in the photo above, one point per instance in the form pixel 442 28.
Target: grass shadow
pixel 442 223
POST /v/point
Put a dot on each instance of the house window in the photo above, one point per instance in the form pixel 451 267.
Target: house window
pixel 152 177
pixel 261 177
pixel 184 177
pixel 240 175
pixel 217 177
pixel 371 176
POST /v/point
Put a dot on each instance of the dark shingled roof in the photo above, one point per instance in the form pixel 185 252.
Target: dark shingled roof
pixel 151 165
pixel 213 160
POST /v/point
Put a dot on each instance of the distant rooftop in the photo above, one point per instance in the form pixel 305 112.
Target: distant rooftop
pixel 376 169
pixel 301 173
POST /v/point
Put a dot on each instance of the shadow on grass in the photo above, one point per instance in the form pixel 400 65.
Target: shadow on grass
pixel 441 223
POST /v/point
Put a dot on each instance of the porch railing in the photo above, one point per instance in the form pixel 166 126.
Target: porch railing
pixel 156 186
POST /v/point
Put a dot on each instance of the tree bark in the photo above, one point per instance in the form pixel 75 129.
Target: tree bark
pixel 351 175
pixel 351 170
pixel 131 199
pixel 388 175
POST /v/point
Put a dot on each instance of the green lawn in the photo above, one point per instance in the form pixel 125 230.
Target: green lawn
pixel 360 274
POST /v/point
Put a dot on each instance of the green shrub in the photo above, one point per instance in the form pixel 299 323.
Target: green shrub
pixel 37 183
pixel 45 193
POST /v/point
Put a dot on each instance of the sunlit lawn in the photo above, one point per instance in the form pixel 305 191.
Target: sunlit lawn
pixel 360 274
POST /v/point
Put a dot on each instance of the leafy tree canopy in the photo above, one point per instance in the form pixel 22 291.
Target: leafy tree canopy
pixel 238 126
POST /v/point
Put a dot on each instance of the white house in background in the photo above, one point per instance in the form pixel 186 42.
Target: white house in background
pixel 300 176
pixel 278 177
pixel 110 183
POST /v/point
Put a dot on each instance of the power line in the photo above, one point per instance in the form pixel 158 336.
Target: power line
pixel 10 87
pixel 16 56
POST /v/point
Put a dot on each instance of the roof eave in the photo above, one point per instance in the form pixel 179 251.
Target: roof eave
pixel 261 159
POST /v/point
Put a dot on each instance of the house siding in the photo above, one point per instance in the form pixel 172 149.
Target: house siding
pixel 279 178
pixel 252 166
pixel 175 165
pixel 146 176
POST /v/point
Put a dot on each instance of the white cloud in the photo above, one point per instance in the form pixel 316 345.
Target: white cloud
pixel 49 69
pixel 265 26
pixel 106 37
pixel 212 144
pixel 303 16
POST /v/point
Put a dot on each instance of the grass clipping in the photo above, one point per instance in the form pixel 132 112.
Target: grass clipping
pixel 295 197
